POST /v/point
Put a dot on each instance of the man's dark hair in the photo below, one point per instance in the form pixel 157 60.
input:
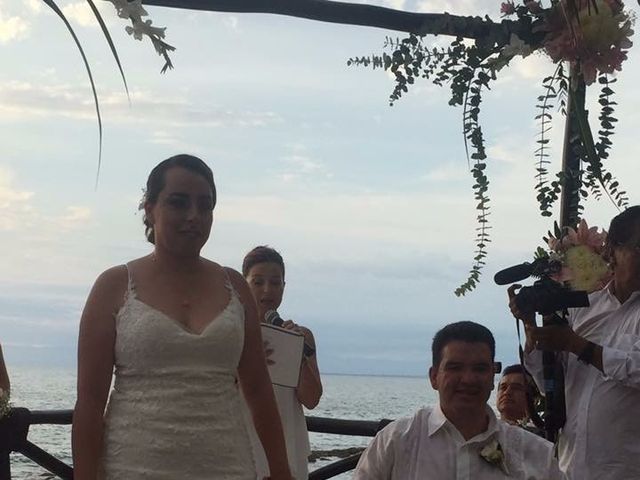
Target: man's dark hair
pixel 623 228
pixel 531 391
pixel 517 368
pixel 466 331
pixel 157 177
pixel 261 254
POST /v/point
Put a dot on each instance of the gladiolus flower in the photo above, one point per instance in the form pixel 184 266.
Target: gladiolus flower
pixel 507 8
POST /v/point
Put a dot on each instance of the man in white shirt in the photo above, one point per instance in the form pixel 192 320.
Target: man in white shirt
pixel 512 395
pixel 460 438
pixel 600 353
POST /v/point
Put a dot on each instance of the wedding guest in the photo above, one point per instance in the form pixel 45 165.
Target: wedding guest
pixel 600 353
pixel 517 394
pixel 182 333
pixel 460 437
pixel 512 395
pixel 263 268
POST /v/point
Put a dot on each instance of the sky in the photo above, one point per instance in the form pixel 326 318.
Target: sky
pixel 370 205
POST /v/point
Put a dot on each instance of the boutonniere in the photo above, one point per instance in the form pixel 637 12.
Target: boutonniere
pixel 492 453
pixel 4 402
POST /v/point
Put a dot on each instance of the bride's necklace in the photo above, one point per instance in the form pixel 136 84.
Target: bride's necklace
pixel 186 301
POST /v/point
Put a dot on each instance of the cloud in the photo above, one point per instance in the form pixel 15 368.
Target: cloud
pixel 19 212
pixel 22 100
pixel 397 4
pixel 15 204
pixel 400 220
pixel 74 217
pixel 459 7
pixel 446 172
pixel 26 345
pixel 36 6
pixel 531 69
pixel 80 13
pixel 388 266
pixel 298 166
pixel 232 22
pixel 171 140
pixel 12 28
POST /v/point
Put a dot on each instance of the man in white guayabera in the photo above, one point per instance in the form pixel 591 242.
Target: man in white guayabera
pixel 460 437
pixel 600 354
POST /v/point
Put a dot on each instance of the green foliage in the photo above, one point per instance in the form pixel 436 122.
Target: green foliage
pixel 591 175
pixel 468 69
pixel 58 11
pixel 51 4
pixel 597 178
pixel 555 88
pixel 468 72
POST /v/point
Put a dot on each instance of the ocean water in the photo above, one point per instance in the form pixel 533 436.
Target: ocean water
pixel 345 396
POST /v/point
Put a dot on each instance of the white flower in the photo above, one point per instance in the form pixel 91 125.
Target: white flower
pixel 517 47
pixel 127 9
pixel 492 453
pixel 133 10
pixel 140 29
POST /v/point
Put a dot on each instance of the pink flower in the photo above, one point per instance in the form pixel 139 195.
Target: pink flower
pixel 554 244
pixel 579 253
pixel 564 275
pixel 507 8
pixel 588 236
pixel 597 38
pixel 582 235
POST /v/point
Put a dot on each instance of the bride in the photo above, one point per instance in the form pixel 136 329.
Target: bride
pixel 180 333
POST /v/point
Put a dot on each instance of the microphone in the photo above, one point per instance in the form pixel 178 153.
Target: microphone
pixel 271 317
pixel 515 273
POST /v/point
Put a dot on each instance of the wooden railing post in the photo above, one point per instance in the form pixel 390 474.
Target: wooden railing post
pixel 15 428
pixel 13 434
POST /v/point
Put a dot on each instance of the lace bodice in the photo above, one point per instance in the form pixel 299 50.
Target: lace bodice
pixel 174 410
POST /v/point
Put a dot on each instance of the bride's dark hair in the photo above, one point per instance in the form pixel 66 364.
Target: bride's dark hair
pixel 156 182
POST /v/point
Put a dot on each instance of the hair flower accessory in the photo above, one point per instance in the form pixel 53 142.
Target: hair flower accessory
pixel 493 453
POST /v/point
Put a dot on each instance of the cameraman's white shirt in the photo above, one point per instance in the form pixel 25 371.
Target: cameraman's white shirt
pixel 428 447
pixel 601 438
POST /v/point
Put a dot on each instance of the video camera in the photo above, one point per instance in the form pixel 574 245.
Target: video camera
pixel 546 295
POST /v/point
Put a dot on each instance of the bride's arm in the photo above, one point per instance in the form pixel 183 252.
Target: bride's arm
pixel 95 367
pixel 256 386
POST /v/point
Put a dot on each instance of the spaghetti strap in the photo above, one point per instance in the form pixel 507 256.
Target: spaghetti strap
pixel 157 360
pixel 131 286
pixel 228 284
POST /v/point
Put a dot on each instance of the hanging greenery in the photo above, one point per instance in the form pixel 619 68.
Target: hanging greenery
pixel 133 11
pixel 592 36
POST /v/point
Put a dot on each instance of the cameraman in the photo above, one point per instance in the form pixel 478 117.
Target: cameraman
pixel 600 354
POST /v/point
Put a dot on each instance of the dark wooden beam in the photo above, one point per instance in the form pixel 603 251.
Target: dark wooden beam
pixel 570 196
pixel 359 14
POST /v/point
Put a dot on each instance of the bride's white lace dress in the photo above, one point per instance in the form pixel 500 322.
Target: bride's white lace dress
pixel 174 411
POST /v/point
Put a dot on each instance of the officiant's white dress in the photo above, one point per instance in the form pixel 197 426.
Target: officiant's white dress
pixel 175 410
pixel 294 426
